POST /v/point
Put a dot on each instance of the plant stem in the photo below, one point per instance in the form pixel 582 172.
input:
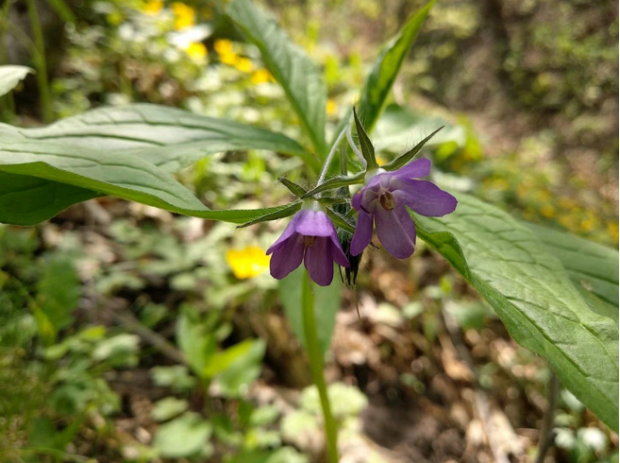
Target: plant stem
pixel 41 64
pixel 330 157
pixel 316 366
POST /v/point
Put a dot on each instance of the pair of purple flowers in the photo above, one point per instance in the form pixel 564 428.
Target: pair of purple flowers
pixel 311 235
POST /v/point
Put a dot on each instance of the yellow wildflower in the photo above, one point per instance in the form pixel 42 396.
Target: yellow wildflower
pixel 196 51
pixel 223 46
pixel 612 229
pixel 248 262
pixel 153 7
pixel 184 15
pixel 229 58
pixel 261 76
pixel 243 64
pixel 331 108
pixel 548 211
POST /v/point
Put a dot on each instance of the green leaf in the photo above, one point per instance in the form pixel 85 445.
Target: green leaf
pixel 58 293
pixel 182 437
pixel 170 138
pixel 590 265
pixel 400 161
pixel 534 297
pixel 368 151
pixel 287 211
pixel 289 65
pixel 326 304
pixel 245 368
pixel 168 408
pixel 103 172
pixel 195 342
pixel 26 200
pixel 337 182
pixel 11 75
pixel 293 187
pixel 386 68
pixel 221 361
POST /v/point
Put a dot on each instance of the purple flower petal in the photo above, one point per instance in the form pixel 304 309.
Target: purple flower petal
pixel 287 256
pixel 363 233
pixel 415 169
pixel 424 197
pixel 396 231
pixel 288 232
pixel 337 253
pixel 314 223
pixel 319 262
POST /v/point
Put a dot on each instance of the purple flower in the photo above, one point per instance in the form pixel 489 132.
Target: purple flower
pixel 383 201
pixel 311 237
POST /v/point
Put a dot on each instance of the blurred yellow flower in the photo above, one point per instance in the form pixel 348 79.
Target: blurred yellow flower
pixel 331 108
pixel 229 58
pixel 184 16
pixel 196 51
pixel 548 211
pixel 223 46
pixel 243 64
pixel 248 262
pixel 612 229
pixel 381 160
pixel 261 76
pixel 153 7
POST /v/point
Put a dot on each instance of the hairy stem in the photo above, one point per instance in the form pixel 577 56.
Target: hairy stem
pixel 316 365
pixel 330 157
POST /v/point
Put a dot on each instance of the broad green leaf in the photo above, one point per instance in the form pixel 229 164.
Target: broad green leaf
pixel 289 65
pixel 326 304
pixel 182 437
pixel 534 297
pixel 243 370
pixel 168 408
pixel 170 138
pixel 590 265
pixel 26 200
pixel 197 345
pixel 58 293
pixel 386 68
pixel 221 361
pixel 102 171
pixel 10 76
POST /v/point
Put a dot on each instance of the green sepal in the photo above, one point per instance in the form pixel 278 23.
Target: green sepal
pixel 336 182
pixel 368 151
pixel 293 187
pixel 404 159
pixel 285 212
pixel 340 221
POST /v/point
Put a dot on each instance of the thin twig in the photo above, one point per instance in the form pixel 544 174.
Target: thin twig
pixel 155 339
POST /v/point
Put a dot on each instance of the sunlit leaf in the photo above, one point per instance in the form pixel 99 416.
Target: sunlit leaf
pixel 534 296
pixel 290 66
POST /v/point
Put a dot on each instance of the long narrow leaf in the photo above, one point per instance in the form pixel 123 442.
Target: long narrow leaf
pixel 386 68
pixel 290 66
pixel 101 172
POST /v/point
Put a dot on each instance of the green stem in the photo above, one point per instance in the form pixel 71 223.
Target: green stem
pixel 316 366
pixel 330 157
pixel 41 63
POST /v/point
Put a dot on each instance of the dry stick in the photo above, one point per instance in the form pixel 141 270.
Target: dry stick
pixel 156 340
pixel 547 433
